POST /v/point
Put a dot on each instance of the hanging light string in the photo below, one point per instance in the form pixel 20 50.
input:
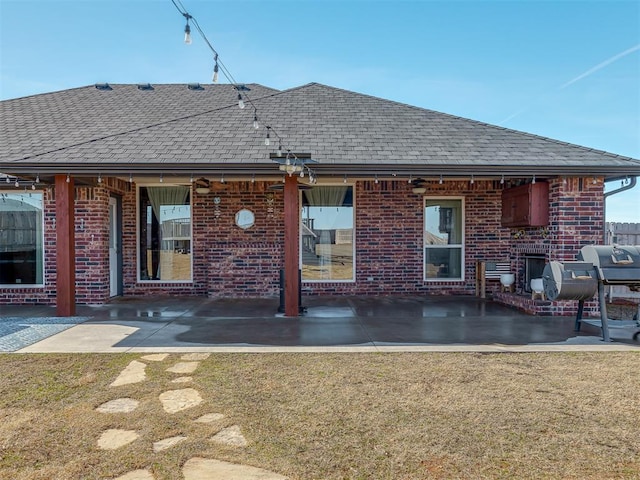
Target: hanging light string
pixel 243 97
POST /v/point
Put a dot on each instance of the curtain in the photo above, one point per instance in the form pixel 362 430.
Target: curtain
pixel 159 196
pixel 326 196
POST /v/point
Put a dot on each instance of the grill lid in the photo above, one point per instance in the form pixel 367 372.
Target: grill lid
pixel 615 264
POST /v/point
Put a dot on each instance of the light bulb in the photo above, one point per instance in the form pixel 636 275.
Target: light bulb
pixel 279 152
pixel 38 178
pixel 99 178
pixel 256 125
pixel 502 180
pixel 440 181
pixel 240 101
pixel 267 140
pixel 301 173
pixel 215 73
pixel 33 186
pixel 187 34
pixel 17 184
pixel 68 179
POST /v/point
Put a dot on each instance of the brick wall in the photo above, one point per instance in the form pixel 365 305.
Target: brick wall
pixel 231 262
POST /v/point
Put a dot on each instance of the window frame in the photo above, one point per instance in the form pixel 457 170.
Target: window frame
pixel 353 248
pixel 460 246
pixel 42 247
pixel 138 256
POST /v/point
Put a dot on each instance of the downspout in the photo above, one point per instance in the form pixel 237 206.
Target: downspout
pixel 632 183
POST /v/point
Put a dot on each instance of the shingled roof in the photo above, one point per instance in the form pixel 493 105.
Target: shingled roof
pixel 175 128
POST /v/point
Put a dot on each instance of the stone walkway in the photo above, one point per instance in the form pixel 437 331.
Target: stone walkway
pixel 175 400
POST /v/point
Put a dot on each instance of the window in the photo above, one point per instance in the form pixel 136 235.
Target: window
pixel 21 239
pixel 443 239
pixel 164 233
pixel 327 239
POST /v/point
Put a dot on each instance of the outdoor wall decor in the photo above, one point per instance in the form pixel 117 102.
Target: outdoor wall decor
pixel 245 219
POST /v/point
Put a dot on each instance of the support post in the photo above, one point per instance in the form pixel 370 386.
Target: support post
pixel 291 246
pixel 65 247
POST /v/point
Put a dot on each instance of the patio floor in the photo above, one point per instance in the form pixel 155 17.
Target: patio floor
pixel 363 323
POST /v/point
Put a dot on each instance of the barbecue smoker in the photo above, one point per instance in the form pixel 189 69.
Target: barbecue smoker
pixel 597 266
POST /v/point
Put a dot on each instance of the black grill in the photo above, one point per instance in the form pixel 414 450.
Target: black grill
pixel 597 266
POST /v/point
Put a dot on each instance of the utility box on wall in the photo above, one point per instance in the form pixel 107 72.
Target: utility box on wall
pixel 526 205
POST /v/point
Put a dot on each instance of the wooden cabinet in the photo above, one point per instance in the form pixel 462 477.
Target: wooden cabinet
pixel 526 205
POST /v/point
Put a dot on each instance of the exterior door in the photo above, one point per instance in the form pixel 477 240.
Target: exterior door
pixel 115 256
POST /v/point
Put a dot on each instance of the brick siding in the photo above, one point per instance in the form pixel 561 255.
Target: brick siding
pixel 231 262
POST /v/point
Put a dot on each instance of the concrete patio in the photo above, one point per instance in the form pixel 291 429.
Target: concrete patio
pixel 397 323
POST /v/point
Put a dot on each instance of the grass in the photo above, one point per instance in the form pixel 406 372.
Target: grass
pixel 334 416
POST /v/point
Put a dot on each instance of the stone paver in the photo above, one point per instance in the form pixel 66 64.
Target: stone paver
pixel 137 475
pixel 155 357
pixel 168 443
pixel 209 469
pixel 230 436
pixel 182 380
pixel 209 418
pixel 183 367
pixel 195 356
pixel 133 373
pixel 114 438
pixel 177 400
pixel 119 405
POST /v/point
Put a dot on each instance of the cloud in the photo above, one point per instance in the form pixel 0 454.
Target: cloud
pixel 576 79
pixel 601 65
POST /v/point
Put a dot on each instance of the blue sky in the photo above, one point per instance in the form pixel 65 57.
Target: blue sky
pixel 569 70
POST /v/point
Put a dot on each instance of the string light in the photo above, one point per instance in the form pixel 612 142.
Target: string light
pixel 440 181
pixel 219 66
pixel 376 180
pixel 7 180
pixel 502 179
pixel 130 178
pixel 187 30
pixel 191 178
pixel 472 180
pixel 222 178
pixel 99 178
pixel 68 179
pixel 256 125
pixel 267 139
pixel 161 179
pixel 344 180
pixel 279 152
pixel 215 69
pixel 37 178
pixel 17 184
pixel 410 179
